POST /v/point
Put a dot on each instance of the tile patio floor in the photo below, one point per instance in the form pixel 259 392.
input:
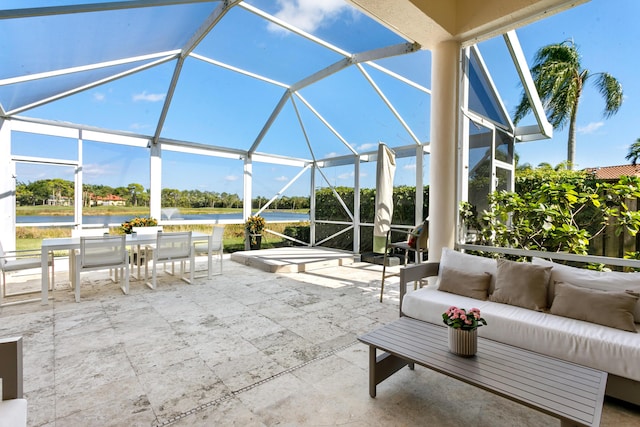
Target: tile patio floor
pixel 248 348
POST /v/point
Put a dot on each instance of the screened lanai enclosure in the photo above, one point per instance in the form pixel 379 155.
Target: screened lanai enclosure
pixel 255 98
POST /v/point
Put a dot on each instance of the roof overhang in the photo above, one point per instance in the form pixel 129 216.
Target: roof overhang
pixel 430 22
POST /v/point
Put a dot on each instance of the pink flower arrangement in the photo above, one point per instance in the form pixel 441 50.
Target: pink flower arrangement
pixel 459 318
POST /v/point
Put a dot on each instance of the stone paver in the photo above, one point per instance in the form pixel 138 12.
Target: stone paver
pixel 248 348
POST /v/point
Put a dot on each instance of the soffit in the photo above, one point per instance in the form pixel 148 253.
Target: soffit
pixel 430 22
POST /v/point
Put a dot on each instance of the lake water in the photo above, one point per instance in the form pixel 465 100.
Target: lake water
pixel 113 219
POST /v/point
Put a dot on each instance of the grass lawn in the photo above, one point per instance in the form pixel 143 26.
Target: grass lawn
pixel 31 237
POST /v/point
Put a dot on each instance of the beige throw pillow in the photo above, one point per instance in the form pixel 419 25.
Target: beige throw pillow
pixel 601 280
pixel 468 263
pixel 472 285
pixel 608 308
pixel 522 284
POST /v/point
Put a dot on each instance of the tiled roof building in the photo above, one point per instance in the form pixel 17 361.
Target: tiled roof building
pixel 614 172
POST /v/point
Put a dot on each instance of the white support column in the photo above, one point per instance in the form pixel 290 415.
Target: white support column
pixel 246 196
pixel 356 205
pixel 78 184
pixel 155 181
pixel 7 189
pixel 463 143
pixel 445 72
pixel 312 206
pixel 419 208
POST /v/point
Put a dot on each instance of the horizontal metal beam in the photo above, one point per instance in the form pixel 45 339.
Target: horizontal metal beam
pixel 165 56
pixel 88 86
pixel 44 127
pixel 293 29
pixel 238 70
pixel 173 144
pixel 385 52
pixel 319 75
pixel 370 156
pixel 91 7
pixel 258 157
pixel 564 256
pixel 45 161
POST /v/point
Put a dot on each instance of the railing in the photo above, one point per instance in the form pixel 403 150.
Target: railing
pixel 620 262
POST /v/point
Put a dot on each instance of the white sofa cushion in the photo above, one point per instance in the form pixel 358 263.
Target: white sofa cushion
pixel 601 280
pixel 13 413
pixel 600 347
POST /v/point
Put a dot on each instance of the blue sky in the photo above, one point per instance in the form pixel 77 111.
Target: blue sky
pixel 605 35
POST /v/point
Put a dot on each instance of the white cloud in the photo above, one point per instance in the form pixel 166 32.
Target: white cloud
pixel 367 147
pixel 347 175
pixel 139 126
pixel 590 128
pixel 282 178
pixel 307 15
pixel 331 154
pixel 93 171
pixel 99 96
pixel 231 178
pixel 409 167
pixel 150 97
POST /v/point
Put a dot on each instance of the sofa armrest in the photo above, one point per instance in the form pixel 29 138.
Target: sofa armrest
pixel 413 273
pixel 11 367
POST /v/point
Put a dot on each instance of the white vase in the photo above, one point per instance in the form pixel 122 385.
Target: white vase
pixel 463 342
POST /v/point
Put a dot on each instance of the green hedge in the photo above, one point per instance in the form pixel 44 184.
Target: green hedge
pixel 328 207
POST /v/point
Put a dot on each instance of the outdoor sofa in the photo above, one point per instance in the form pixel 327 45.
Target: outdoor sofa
pixel 13 407
pixel 518 301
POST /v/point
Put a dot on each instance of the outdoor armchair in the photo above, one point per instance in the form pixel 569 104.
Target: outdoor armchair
pixel 215 244
pixel 170 247
pixel 417 241
pixel 100 253
pixel 12 261
pixel 141 255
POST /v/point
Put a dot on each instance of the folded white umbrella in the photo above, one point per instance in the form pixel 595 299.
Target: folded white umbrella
pixel 385 171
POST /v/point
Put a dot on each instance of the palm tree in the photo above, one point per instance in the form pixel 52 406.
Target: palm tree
pixel 634 152
pixel 560 79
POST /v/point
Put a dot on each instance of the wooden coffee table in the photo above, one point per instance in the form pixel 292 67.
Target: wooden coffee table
pixel 567 391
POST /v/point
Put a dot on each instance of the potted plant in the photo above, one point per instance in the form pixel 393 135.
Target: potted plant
pixel 463 330
pixel 127 226
pixel 254 226
pixel 469 224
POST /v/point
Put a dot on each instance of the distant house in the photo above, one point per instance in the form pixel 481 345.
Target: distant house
pixel 109 200
pixel 613 173
pixel 58 200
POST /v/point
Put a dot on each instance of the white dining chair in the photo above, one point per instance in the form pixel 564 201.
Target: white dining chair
pixel 88 232
pixel 216 244
pixel 12 261
pixel 138 257
pixel 170 247
pixel 101 253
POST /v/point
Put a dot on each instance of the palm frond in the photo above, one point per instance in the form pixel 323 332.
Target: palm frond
pixel 634 152
pixel 611 90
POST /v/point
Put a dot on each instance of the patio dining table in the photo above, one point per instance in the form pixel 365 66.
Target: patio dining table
pixel 72 243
